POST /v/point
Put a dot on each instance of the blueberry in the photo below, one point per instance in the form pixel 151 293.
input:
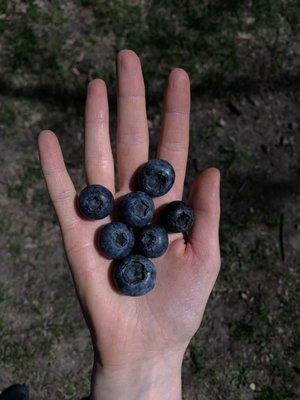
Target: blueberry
pixel 95 202
pixel 156 177
pixel 136 209
pixel 116 240
pixel 135 275
pixel 177 217
pixel 152 241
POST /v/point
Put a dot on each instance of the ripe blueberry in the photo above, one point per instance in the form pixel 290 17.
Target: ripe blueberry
pixel 134 275
pixel 177 217
pixel 136 209
pixel 116 240
pixel 95 202
pixel 152 241
pixel 156 177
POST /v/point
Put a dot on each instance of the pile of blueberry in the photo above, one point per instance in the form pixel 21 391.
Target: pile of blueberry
pixel 134 240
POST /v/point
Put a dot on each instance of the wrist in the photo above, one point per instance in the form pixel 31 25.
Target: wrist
pixel 152 378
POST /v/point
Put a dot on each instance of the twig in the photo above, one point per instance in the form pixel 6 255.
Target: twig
pixel 238 192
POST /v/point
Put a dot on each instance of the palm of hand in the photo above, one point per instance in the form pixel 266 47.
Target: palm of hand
pixel 166 318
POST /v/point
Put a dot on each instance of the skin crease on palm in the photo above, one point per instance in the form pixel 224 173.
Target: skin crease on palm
pixel 129 333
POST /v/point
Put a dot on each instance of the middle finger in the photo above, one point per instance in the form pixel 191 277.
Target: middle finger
pixel 132 130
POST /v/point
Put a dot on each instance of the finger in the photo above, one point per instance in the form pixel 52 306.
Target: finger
pixel 59 184
pixel 174 138
pixel 132 130
pixel 99 165
pixel 205 200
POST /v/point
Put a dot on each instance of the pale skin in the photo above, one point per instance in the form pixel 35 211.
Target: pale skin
pixel 139 342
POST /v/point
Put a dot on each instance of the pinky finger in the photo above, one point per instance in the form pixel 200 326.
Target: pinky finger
pixel 58 181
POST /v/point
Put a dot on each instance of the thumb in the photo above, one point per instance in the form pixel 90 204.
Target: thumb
pixel 205 201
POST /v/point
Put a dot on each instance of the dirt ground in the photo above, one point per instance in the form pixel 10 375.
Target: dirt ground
pixel 245 120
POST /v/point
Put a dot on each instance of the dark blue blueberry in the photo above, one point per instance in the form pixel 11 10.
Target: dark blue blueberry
pixel 152 241
pixel 156 177
pixel 15 392
pixel 95 202
pixel 116 240
pixel 136 209
pixel 177 217
pixel 135 275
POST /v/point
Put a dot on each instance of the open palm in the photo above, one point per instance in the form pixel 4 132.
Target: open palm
pixel 130 328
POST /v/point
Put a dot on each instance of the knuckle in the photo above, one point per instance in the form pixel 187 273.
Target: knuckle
pixel 63 196
pixel 131 138
pixel 69 226
pixel 50 172
pixel 99 161
pixel 100 119
pixel 78 247
pixel 173 145
pixel 176 113
pixel 132 98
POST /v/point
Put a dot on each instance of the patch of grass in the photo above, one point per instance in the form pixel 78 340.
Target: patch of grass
pixel 198 360
pixel 4 297
pixel 71 389
pixel 232 155
pixel 189 35
pixel 238 374
pixel 271 14
pixel 271 218
pixel 21 355
pixel 34 40
pixel 7 114
pixel 263 313
pixel 4 225
pixel 17 356
pixel 3 5
pixel 23 46
pixel 235 374
pixel 30 179
pixel 14 249
pixel 276 393
pixel 7 120
pixel 211 132
pixel 198 36
pixel 292 15
pixel 272 17
pixel 240 330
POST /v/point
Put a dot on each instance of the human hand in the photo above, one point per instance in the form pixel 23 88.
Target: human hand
pixel 139 342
